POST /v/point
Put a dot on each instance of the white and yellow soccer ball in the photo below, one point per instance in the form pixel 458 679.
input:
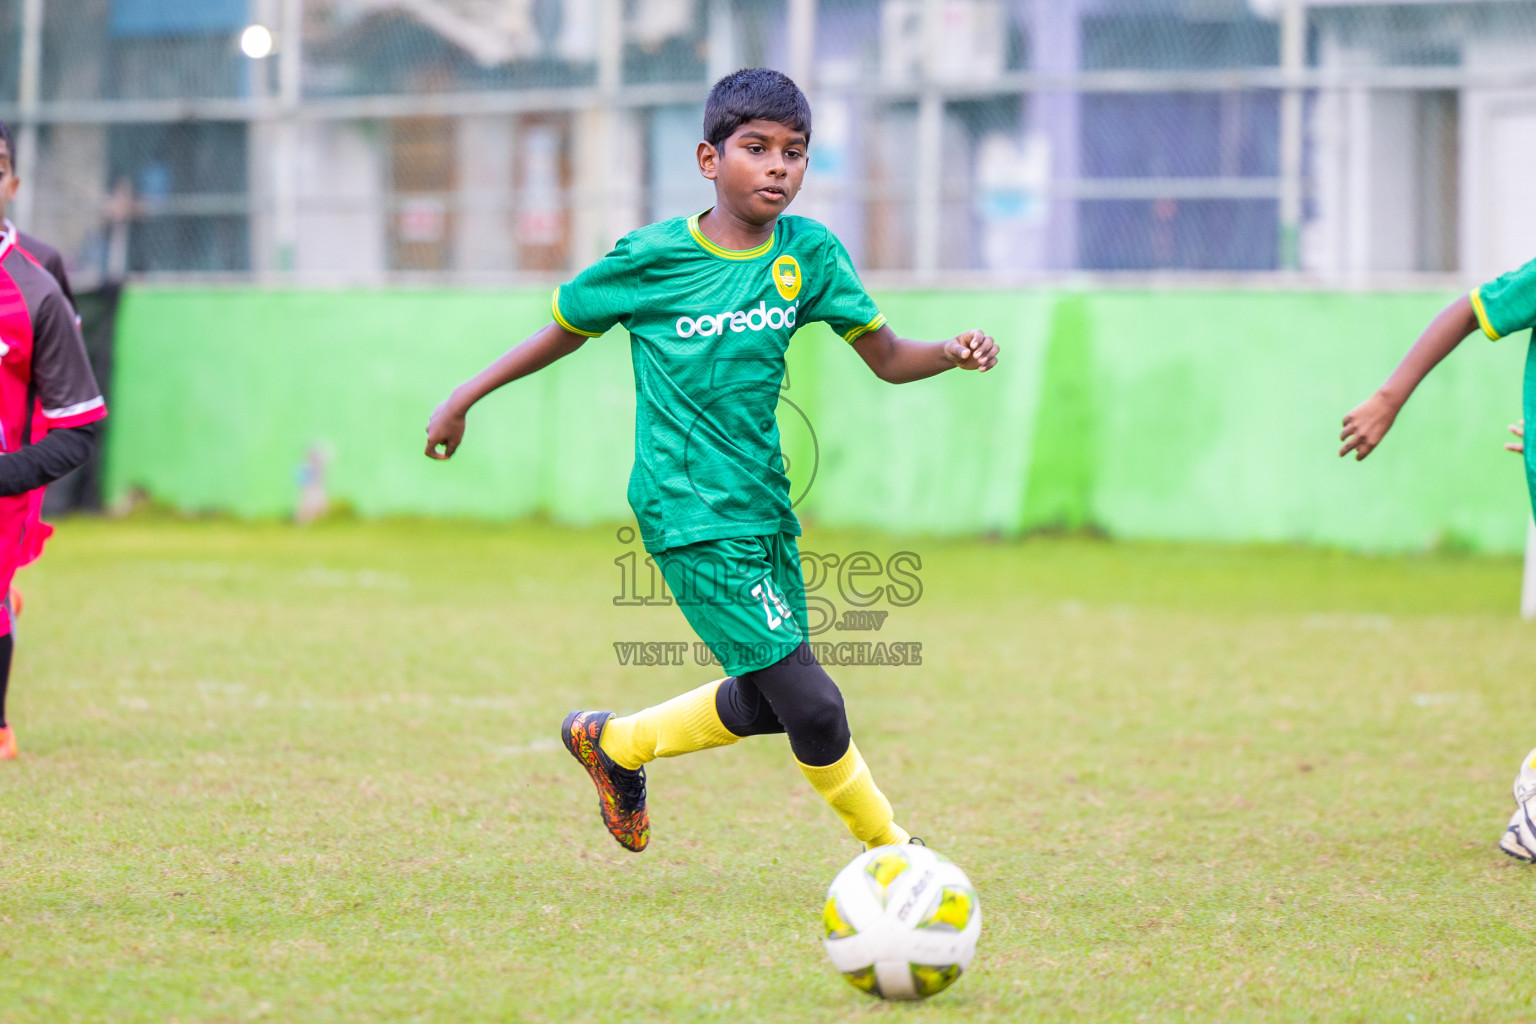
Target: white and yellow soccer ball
pixel 901 922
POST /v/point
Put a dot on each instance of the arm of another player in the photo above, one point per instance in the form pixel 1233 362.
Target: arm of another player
pixel 1369 422
pixel 72 406
pixel 900 360
pixel 445 429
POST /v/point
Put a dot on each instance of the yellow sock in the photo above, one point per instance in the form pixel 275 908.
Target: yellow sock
pixel 847 785
pixel 679 726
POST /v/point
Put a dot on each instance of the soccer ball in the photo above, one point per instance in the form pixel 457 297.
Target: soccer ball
pixel 901 922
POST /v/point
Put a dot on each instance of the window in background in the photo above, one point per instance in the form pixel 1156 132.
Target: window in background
pixel 892 177
pixel 361 47
pixel 189 181
pixel 143 49
pixel 1438 181
pixel 10 48
pixel 994 178
pixel 1179 234
pixel 1215 34
pixel 423 180
pixel 665 41
pixel 543 184
pixel 1216 222
pixel 676 187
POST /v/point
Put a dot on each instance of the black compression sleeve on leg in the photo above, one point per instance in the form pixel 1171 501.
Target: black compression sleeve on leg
pixel 743 710
pixel 808 703
pixel 7 646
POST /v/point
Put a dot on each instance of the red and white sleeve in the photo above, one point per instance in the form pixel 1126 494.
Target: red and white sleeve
pixel 66 387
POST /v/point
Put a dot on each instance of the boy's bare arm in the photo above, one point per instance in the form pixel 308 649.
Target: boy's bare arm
pixel 445 429
pixel 1369 422
pixel 900 360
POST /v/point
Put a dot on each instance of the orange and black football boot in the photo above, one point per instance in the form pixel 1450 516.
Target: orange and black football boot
pixel 620 790
pixel 8 751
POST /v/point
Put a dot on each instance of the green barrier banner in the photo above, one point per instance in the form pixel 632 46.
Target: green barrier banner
pixel 1173 415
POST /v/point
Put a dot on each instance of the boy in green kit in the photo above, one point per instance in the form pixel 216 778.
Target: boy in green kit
pixel 710 303
pixel 1504 306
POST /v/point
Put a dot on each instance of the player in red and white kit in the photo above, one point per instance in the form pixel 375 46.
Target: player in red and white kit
pixel 53 262
pixel 50 407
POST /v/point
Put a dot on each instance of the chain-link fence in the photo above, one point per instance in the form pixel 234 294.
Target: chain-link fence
pixel 1001 140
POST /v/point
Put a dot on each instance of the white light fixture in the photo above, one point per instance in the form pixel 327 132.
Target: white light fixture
pixel 256 41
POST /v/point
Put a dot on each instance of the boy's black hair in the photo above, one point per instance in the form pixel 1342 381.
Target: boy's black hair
pixel 10 143
pixel 754 94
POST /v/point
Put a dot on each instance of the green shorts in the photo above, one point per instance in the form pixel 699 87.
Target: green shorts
pixel 744 596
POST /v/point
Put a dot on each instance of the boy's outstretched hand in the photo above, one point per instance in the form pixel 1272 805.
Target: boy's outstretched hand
pixel 445 430
pixel 1367 425
pixel 1518 429
pixel 972 350
pixel 1369 422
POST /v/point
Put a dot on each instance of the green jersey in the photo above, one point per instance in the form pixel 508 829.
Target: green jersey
pixel 708 328
pixel 1507 304
pixel 1504 306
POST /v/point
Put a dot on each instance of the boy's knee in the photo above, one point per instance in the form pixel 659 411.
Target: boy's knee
pixel 821 727
pixel 824 714
pixel 809 705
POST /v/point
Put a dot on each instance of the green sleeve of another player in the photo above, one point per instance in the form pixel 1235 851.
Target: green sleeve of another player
pixel 840 301
pixel 600 296
pixel 1507 304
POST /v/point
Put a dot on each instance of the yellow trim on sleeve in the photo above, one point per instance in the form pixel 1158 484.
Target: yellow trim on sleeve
pixel 1482 315
pixel 859 332
pixel 729 254
pixel 554 305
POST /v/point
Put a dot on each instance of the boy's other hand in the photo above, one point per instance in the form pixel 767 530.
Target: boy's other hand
pixel 1518 429
pixel 445 430
pixel 973 350
pixel 1367 425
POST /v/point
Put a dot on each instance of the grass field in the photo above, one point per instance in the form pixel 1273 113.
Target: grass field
pixel 312 775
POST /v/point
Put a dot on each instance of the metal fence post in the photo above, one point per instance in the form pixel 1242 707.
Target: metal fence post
pixel 720 33
pixel 595 131
pixel 928 213
pixel 286 200
pixel 29 94
pixel 1293 61
pixel 1056 46
pixel 802 42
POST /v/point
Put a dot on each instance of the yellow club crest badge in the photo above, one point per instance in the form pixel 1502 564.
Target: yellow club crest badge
pixel 786 277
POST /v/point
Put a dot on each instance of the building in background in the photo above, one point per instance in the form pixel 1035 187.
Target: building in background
pixel 1007 140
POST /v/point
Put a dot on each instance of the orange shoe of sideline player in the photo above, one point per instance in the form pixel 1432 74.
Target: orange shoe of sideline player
pixel 8 751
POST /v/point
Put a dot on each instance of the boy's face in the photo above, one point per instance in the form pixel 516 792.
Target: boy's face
pixel 8 179
pixel 758 170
